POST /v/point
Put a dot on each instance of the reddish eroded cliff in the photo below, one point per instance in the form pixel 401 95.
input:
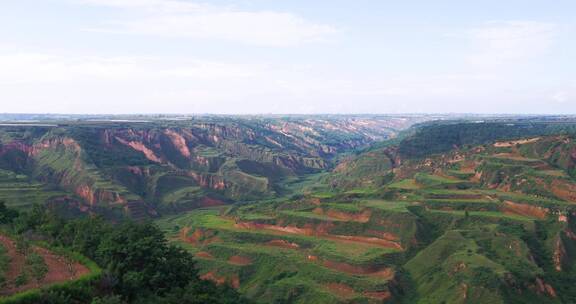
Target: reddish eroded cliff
pixel 564 242
pixel 559 253
pixel 95 196
pixel 544 288
pixel 16 146
pixel 141 147
pixel 36 148
pixel 179 142
pixel 207 180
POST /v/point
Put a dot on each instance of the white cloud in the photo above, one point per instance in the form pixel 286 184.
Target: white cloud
pixel 511 41
pixel 176 18
pixel 22 68
pixel 565 94
pixel 165 6
pixel 63 82
pixel 560 96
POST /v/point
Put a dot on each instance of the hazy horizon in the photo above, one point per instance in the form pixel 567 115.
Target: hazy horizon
pixel 257 57
pixel 462 114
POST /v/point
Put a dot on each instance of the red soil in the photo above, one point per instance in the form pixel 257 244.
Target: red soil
pixel 309 231
pixel 184 235
pixel 234 280
pixel 239 260
pixel 316 201
pixel 341 290
pixel 366 240
pixel 564 190
pixel 384 235
pixel 312 258
pixel 320 231
pixel 362 217
pixel 211 276
pixel 468 166
pixel 283 244
pixel 211 202
pixel 507 144
pixel 379 295
pixel 204 255
pixel 524 210
pixel 198 237
pixel 384 273
pixel 59 269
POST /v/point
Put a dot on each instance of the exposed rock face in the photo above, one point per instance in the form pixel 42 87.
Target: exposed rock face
pixel 544 288
pixel 15 146
pixel 209 180
pixel 179 142
pixel 179 147
pixel 60 160
pixel 559 253
pixel 138 146
pixel 564 243
pixel 99 195
pixel 117 163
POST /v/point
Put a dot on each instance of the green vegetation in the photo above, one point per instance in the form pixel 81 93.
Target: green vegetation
pixel 4 264
pixel 140 266
pixel 407 184
pixel 293 210
pixel 20 191
pixel 439 137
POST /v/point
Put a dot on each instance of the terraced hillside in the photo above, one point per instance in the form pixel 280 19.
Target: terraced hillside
pixel 143 168
pixel 319 210
pixel 494 223
pixel 20 191
pixel 24 266
pixel 303 253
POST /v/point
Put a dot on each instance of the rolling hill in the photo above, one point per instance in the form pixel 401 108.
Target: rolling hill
pixel 318 209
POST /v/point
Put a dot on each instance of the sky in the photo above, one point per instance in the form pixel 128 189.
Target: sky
pixel 287 57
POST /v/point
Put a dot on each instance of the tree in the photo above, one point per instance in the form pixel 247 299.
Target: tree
pixel 142 260
pixel 37 266
pixel 7 215
pixel 115 299
pixel 22 245
pixel 21 279
pixel 200 292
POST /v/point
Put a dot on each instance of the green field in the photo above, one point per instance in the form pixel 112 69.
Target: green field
pixel 20 191
pixel 279 261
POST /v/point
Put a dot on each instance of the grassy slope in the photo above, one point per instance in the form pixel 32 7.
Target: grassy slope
pixel 19 191
pixel 275 272
pixel 473 249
